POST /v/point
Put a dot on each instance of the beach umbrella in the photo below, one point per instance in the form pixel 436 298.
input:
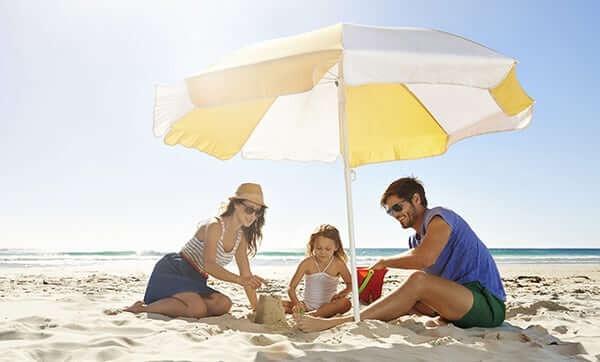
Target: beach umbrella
pixel 365 94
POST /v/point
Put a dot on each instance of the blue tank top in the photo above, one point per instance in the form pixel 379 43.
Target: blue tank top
pixel 465 258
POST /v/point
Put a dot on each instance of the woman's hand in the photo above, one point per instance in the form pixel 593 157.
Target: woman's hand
pixel 379 265
pixel 251 281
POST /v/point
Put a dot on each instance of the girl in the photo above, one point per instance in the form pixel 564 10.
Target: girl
pixel 325 263
pixel 177 286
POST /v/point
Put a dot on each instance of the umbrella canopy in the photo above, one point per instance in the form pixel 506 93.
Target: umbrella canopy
pixel 409 93
pixel 367 94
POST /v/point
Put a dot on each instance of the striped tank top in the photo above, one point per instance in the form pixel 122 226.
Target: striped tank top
pixel 193 250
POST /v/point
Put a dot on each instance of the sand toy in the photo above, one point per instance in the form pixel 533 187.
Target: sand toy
pixel 370 284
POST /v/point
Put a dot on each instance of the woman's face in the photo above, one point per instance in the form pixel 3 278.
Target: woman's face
pixel 324 248
pixel 247 212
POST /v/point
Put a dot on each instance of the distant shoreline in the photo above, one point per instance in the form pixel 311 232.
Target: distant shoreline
pixel 15 258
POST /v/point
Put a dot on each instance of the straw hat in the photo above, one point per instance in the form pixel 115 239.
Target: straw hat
pixel 251 192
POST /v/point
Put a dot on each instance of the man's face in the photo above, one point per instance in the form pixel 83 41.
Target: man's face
pixel 401 210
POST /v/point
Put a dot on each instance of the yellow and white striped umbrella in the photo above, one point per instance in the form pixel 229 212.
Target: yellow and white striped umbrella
pixel 407 93
pixel 366 94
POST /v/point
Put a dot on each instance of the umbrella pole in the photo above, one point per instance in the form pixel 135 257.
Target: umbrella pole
pixel 348 182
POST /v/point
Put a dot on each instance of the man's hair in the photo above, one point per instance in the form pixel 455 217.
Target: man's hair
pixel 405 188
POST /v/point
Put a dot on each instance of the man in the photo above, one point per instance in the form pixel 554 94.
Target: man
pixel 456 278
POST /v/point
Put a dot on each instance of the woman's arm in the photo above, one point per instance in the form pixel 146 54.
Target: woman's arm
pixel 211 236
pixel 347 278
pixel 241 258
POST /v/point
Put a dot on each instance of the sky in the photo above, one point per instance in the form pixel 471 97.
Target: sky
pixel 80 168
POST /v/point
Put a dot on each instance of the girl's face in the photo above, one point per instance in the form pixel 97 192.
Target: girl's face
pixel 247 212
pixel 324 248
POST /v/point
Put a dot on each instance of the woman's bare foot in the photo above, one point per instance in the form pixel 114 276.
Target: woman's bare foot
pixel 137 307
pixel 308 323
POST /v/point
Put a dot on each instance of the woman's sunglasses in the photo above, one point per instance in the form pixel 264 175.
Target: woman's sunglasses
pixel 251 210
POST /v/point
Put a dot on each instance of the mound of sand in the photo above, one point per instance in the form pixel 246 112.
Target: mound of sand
pixel 269 310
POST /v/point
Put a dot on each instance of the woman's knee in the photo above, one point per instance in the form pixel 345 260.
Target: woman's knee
pixel 197 309
pixel 218 304
pixel 195 306
pixel 225 301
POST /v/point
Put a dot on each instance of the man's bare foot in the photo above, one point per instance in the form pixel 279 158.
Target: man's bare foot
pixel 137 307
pixel 308 323
pixel 436 322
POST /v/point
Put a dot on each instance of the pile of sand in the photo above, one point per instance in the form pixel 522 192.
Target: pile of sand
pixel 269 310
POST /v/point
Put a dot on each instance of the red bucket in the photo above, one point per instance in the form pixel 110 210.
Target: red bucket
pixel 370 283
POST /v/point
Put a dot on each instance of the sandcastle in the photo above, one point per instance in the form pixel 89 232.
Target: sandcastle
pixel 269 310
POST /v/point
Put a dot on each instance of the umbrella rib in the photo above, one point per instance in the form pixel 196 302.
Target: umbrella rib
pixel 335 76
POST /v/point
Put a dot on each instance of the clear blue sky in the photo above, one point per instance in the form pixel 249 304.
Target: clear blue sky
pixel 80 168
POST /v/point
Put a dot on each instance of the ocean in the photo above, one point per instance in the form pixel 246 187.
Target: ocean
pixel 23 258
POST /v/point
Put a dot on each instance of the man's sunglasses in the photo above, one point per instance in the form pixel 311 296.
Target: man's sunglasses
pixel 394 208
pixel 251 210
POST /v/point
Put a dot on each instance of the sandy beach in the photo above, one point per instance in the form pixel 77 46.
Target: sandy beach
pixel 56 315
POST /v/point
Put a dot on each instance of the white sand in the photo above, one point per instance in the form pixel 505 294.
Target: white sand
pixel 57 315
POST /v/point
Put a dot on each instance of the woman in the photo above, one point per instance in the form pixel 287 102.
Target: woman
pixel 177 286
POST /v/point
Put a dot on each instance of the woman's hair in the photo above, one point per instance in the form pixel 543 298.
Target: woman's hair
pixel 329 232
pixel 253 233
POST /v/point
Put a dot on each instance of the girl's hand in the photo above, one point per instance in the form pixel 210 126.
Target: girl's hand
pixel 379 265
pixel 251 281
pixel 299 307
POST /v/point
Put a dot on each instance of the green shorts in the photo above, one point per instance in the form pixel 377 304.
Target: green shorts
pixel 487 310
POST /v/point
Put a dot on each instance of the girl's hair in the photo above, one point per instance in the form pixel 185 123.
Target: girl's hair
pixel 253 233
pixel 329 232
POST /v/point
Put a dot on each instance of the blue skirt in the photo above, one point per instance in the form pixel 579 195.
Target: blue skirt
pixel 171 275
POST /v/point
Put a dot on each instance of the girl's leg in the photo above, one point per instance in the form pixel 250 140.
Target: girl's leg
pixel 338 306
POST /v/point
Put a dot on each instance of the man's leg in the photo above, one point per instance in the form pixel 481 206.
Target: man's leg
pixel 451 300
pixel 423 309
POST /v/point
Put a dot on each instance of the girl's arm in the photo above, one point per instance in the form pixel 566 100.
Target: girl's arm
pixel 300 271
pixel 211 236
pixel 347 278
pixel 241 258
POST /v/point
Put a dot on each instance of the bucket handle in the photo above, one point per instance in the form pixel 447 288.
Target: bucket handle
pixel 365 282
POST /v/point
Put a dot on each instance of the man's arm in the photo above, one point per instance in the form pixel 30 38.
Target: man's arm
pixel 424 255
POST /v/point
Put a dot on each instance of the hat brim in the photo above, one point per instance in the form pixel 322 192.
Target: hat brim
pixel 247 199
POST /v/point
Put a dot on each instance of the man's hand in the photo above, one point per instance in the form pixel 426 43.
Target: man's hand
pixel 379 265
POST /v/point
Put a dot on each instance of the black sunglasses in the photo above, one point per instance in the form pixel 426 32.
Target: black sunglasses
pixel 251 210
pixel 394 208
